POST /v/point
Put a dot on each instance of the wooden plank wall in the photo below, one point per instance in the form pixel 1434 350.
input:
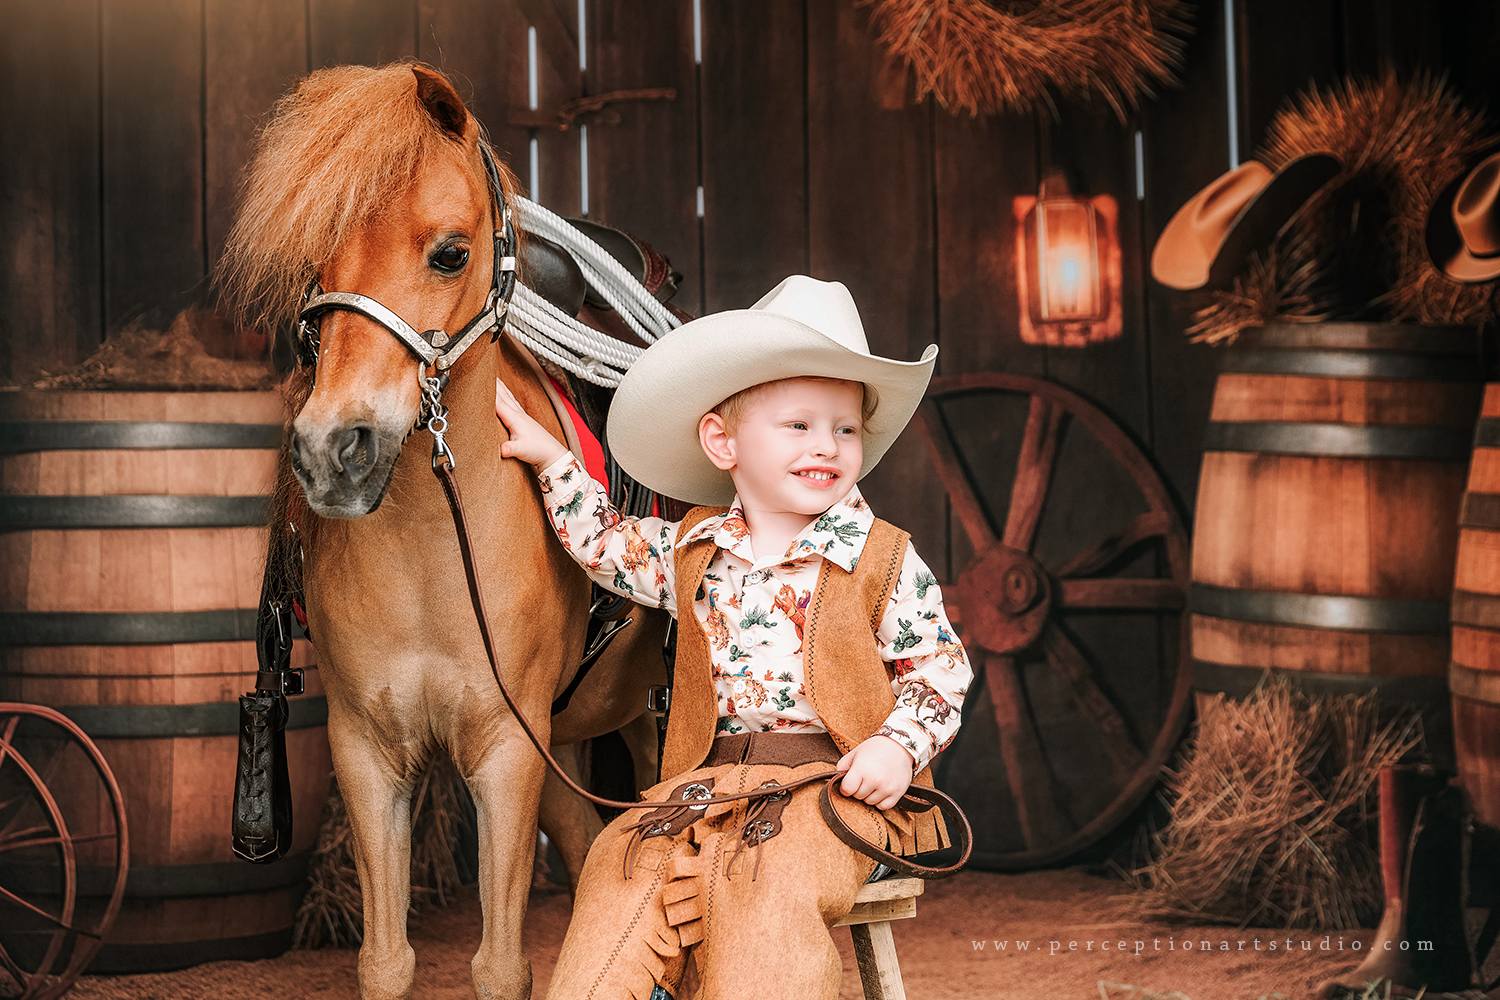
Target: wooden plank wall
pixel 129 123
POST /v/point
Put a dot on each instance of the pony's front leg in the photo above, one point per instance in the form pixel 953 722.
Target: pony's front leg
pixel 506 786
pixel 379 804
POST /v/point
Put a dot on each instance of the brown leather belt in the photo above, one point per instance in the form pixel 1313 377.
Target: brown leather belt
pixel 786 749
pixel 917 798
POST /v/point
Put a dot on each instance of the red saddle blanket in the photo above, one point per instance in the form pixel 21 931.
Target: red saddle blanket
pixel 588 442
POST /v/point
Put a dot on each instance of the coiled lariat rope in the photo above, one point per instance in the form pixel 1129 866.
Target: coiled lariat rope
pixel 552 334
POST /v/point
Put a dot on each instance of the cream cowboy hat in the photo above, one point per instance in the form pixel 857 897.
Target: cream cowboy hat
pixel 801 327
pixel 1210 236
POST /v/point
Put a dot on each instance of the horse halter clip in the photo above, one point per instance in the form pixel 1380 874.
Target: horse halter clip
pixel 435 349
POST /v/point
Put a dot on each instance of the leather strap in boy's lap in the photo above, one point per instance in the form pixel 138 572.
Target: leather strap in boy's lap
pixel 918 798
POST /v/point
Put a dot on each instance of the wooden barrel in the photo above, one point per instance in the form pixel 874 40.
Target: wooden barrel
pixel 1475 672
pixel 1326 523
pixel 132 540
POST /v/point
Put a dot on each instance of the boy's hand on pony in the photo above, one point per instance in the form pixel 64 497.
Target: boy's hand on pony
pixel 879 772
pixel 529 440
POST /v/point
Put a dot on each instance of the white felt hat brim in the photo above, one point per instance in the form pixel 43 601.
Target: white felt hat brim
pixel 652 428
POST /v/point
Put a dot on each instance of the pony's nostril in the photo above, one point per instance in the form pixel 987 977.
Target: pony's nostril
pixel 355 454
pixel 298 464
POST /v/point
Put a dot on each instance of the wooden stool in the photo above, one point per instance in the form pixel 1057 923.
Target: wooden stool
pixel 869 922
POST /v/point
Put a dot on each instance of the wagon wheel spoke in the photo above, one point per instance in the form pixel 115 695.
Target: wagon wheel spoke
pixel 27 905
pixel 9 839
pixel 1125 594
pixel 960 488
pixel 20 975
pixel 1152 524
pixel 1125 753
pixel 1033 472
pixel 23 839
pixel 5 804
pixel 1028 775
pixel 47 772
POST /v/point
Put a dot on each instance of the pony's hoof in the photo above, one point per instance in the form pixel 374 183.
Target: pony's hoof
pixel 501 977
pixel 387 976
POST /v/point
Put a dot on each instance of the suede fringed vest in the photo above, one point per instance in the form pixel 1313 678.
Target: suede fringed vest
pixel 846 680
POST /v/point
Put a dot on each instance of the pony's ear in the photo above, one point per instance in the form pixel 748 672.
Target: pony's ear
pixel 443 103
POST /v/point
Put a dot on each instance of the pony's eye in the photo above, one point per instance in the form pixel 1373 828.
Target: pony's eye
pixel 450 259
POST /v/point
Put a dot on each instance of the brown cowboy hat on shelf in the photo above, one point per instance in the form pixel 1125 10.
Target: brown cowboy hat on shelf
pixel 1210 236
pixel 1463 225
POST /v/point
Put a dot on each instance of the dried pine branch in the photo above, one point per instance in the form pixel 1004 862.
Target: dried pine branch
pixel 1284 285
pixel 986 57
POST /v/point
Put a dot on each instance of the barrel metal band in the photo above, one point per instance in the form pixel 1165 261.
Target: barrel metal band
pixel 1413 338
pixel 210 718
pixel 1476 610
pixel 214 878
pixel 1480 510
pixel 1353 364
pixel 31 513
pixel 18 436
pixel 1487 432
pixel 1327 440
pixel 1239 680
pixel 1476 685
pixel 1329 611
pixel 164 956
pixel 128 628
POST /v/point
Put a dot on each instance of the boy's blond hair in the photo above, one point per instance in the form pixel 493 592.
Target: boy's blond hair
pixel 733 408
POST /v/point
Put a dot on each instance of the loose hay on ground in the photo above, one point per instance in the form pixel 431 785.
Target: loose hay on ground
pixel 1272 813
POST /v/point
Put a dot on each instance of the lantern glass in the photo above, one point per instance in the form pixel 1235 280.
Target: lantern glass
pixel 1066 261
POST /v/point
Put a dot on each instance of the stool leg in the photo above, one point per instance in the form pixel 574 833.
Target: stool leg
pixel 875 953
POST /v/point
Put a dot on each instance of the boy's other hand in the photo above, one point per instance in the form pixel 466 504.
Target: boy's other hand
pixel 879 772
pixel 529 440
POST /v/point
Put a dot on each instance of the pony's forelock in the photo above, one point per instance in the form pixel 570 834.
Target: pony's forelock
pixel 332 153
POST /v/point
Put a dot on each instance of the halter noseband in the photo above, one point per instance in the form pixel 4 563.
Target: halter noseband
pixel 433 348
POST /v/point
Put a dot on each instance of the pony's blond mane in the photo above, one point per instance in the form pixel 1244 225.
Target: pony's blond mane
pixel 333 152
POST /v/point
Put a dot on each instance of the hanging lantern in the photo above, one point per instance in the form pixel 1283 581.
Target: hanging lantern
pixel 1068 266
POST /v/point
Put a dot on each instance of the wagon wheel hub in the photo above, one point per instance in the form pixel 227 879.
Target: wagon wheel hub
pixel 1006 596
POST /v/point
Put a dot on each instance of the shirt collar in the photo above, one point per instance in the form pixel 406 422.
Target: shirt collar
pixel 838 534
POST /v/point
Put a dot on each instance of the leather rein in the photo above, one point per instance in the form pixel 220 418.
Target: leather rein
pixel 437 350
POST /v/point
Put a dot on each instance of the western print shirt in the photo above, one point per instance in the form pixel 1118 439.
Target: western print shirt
pixel 752 608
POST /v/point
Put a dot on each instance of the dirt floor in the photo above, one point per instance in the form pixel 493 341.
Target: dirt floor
pixel 1037 936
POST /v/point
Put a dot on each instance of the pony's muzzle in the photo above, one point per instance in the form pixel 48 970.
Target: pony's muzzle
pixel 349 454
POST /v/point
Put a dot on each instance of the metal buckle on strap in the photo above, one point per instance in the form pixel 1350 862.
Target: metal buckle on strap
pixel 774 796
pixel 696 791
pixel 658 697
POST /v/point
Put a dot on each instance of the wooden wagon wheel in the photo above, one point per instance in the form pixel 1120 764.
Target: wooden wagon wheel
pixel 1021 613
pixel 64 851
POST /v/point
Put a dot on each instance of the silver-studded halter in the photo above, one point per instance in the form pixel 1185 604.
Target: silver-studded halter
pixel 436 350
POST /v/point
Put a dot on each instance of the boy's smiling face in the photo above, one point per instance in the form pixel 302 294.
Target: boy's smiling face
pixel 795 445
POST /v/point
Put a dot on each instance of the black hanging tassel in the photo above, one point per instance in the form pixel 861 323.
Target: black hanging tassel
pixel 262 818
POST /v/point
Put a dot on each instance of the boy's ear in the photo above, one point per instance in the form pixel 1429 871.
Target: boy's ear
pixel 716 442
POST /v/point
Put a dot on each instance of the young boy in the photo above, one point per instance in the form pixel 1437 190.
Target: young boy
pixel 813 635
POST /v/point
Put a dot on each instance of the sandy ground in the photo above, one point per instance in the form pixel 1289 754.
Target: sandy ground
pixel 1070 920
